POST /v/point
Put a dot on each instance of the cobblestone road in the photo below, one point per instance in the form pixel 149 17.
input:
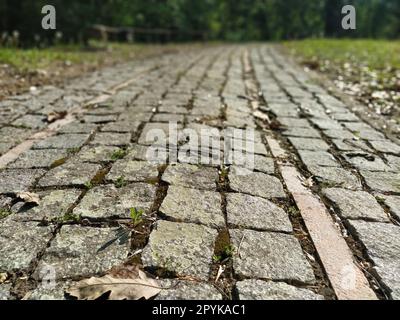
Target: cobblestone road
pixel 83 149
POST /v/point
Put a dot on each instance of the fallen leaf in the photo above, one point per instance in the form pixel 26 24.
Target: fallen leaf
pixel 219 274
pixel 29 197
pixel 3 277
pixel 261 115
pixel 125 271
pixel 308 182
pixel 120 289
pixel 54 116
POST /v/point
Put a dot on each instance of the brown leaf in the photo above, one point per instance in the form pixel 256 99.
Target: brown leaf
pixel 125 272
pixel 29 197
pixel 3 277
pixel 120 289
pixel 54 116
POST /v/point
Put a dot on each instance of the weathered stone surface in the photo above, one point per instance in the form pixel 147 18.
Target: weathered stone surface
pixel 111 139
pixel 382 181
pixel 264 164
pixel 183 248
pixel 5 292
pixel 5 146
pixel 78 127
pixel 191 176
pixel 351 145
pixel 386 146
pixel 46 294
pixel 99 119
pixel 256 213
pixel 108 201
pixel 382 241
pixel 309 144
pixel 52 205
pixel 71 173
pixel 153 154
pixel 255 183
pixel 97 154
pixel 155 132
pixel 268 290
pixel 302 132
pixel 196 206
pixel 370 135
pixel 270 256
pixel 16 180
pixel 393 163
pixel 5 202
pixel 31 121
pixel 284 110
pixel 166 117
pixel 335 177
pixel 345 117
pixel 393 202
pixel 121 126
pixel 173 109
pixel 186 290
pixel 63 141
pixel 133 171
pixel 356 204
pixel 32 159
pixel 20 243
pixel 339 134
pixel 326 124
pixel 293 122
pixel 73 252
pixel 321 159
pixel 14 135
pixel 366 161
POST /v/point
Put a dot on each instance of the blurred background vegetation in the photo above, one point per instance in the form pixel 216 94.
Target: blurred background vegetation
pixel 364 62
pixel 233 20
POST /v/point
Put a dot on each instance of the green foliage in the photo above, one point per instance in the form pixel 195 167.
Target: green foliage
pixel 136 216
pixel 221 19
pixel 120 182
pixel 68 218
pixel 4 213
pixel 118 154
pixel 225 254
pixel 89 185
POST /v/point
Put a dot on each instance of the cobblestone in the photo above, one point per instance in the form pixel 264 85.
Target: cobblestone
pixel 108 201
pixel 268 290
pixel 270 256
pixel 73 253
pixel 255 183
pixel 183 248
pixel 191 176
pixel 356 205
pixel 196 206
pixel 256 213
pixel 132 151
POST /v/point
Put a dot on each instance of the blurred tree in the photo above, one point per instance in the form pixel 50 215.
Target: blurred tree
pixel 234 20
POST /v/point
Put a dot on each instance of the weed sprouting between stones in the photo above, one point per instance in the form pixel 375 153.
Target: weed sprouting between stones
pixel 118 154
pixel 120 182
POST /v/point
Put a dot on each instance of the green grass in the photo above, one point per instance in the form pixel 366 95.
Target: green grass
pixel 33 59
pixel 375 54
pixel 366 69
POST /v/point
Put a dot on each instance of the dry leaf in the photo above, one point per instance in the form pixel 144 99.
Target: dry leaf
pixel 54 116
pixel 125 271
pixel 308 183
pixel 3 277
pixel 261 115
pixel 120 289
pixel 29 197
pixel 219 274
